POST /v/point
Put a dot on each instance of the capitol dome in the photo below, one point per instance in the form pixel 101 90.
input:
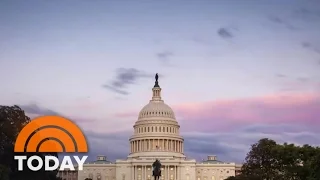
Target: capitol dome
pixel 156 109
pixel 156 131
pixel 156 136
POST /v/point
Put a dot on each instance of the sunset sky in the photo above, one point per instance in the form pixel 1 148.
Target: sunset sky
pixel 234 71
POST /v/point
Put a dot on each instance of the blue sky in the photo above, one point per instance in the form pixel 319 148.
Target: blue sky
pixel 94 61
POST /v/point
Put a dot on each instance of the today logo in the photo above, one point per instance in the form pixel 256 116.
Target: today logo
pixel 51 134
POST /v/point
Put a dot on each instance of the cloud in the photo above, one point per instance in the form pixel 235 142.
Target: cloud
pixel 306 45
pixel 232 146
pixel 165 57
pixel 37 110
pixel 221 115
pixel 33 110
pixel 225 33
pixel 306 14
pixel 310 46
pixel 229 114
pixel 303 79
pixel 281 75
pixel 276 19
pixel 200 145
pixel 124 78
pixel 280 21
pixel 296 84
pixel 114 89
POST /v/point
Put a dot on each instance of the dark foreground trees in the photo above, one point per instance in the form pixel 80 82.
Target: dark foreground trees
pixel 12 120
pixel 268 160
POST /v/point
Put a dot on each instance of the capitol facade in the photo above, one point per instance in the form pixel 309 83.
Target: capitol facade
pixel 156 136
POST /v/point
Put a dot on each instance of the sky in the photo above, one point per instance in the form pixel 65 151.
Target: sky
pixel 234 71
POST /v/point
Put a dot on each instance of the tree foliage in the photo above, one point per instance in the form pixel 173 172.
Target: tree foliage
pixel 268 160
pixel 4 172
pixel 12 120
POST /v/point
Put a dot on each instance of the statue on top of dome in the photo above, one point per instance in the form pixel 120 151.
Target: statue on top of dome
pixel 156 84
pixel 156 77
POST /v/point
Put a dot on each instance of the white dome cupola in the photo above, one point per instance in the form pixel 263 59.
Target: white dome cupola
pixel 156 130
pixel 156 106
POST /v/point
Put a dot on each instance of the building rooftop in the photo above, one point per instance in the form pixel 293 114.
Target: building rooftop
pixel 212 162
pixel 100 160
pixel 212 159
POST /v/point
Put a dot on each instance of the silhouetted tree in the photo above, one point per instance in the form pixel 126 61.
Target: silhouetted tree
pixel 268 160
pixel 12 120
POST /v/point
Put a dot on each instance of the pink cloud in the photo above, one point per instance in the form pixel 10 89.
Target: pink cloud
pixel 273 109
pixel 297 108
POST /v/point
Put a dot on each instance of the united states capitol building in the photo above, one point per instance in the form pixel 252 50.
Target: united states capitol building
pixel 156 136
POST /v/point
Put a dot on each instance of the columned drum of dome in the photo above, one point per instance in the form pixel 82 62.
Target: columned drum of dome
pixel 156 132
